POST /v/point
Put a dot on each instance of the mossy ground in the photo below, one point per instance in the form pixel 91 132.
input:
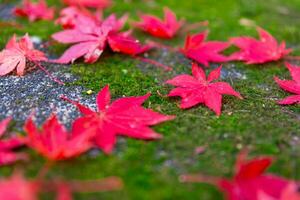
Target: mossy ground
pixel 150 170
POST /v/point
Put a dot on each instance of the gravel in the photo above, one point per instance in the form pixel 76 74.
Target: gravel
pixel 20 96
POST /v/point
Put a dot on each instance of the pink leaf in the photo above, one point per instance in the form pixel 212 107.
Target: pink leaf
pixel 90 37
pixel 16 53
pixel 253 51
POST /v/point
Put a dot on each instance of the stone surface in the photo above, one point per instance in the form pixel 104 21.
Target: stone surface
pixel 6 11
pixel 20 96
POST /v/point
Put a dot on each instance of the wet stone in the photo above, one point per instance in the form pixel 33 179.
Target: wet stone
pixel 20 96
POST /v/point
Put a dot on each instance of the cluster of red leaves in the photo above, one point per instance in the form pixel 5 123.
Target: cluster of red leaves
pixel 166 28
pixel 292 86
pixel 89 35
pixel 198 89
pixel 7 156
pixel 124 117
pixel 252 51
pixel 250 182
pixel 16 53
pixel 35 11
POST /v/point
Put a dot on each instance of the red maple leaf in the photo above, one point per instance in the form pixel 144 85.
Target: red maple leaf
pixel 166 28
pixel 89 3
pixel 17 187
pixel 54 142
pixel 71 16
pixel 90 39
pixel 196 48
pixel 253 51
pixel 123 117
pixel 35 11
pixel 249 180
pixel 7 156
pixel 16 53
pixel 199 89
pixel 292 86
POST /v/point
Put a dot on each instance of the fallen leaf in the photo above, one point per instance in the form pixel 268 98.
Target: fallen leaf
pixel 54 142
pixel 166 28
pixel 123 117
pixel 90 40
pixel 16 53
pixel 249 181
pixel 253 51
pixel 35 11
pixel 198 89
pixel 292 86
pixel 7 156
pixel 196 48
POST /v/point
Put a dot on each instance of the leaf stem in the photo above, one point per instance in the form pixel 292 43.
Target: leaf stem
pixel 153 62
pixel 47 72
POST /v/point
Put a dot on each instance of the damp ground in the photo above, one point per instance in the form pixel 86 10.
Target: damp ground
pixel 150 170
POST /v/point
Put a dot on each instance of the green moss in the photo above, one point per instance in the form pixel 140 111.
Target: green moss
pixel 150 169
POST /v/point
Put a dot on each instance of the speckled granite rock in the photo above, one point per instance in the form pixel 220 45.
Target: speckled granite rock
pixel 20 96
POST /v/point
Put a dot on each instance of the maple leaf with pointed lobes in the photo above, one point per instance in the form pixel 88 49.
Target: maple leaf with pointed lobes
pixel 292 86
pixel 17 187
pixel 7 156
pixel 166 28
pixel 54 142
pixel 253 51
pixel 35 11
pixel 123 117
pixel 89 3
pixel 197 49
pixel 198 89
pixel 90 39
pixel 249 180
pixel 16 53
